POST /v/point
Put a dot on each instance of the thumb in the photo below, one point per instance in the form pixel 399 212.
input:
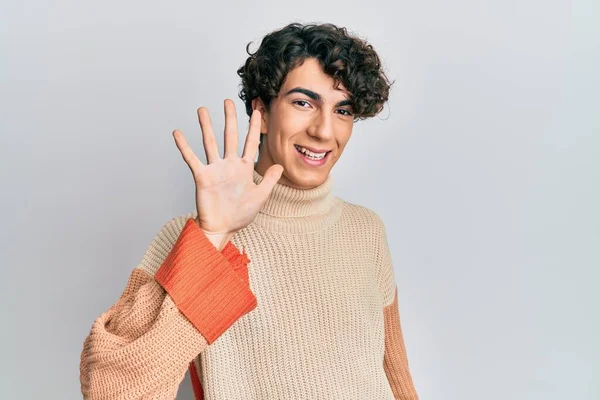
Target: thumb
pixel 272 176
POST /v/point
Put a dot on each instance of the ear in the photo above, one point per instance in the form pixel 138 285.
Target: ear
pixel 257 104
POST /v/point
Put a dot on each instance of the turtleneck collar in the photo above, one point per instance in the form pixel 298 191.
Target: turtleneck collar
pixel 294 210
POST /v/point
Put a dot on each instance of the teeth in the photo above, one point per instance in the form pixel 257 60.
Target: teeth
pixel 310 154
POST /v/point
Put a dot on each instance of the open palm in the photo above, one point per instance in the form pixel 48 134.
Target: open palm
pixel 227 199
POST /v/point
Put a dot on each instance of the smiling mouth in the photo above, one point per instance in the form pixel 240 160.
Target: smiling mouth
pixel 311 155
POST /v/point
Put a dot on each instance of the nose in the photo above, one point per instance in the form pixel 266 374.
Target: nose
pixel 322 127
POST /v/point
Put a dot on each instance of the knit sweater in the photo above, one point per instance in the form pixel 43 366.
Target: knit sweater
pixel 308 309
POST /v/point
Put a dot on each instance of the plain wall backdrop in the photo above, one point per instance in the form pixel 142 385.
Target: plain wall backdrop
pixel 483 166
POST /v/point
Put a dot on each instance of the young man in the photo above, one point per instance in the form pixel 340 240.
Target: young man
pixel 309 308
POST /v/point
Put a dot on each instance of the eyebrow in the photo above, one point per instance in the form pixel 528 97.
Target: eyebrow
pixel 316 96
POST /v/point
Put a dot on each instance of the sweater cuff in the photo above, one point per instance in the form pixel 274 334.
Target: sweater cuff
pixel 203 284
pixel 239 260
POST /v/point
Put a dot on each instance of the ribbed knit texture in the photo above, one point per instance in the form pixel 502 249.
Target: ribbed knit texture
pixel 308 309
pixel 395 362
pixel 212 297
pixel 322 273
pixel 181 297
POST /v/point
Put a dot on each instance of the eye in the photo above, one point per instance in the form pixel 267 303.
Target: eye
pixel 300 101
pixel 348 113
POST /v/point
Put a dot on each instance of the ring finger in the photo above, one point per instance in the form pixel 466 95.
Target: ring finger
pixel 208 136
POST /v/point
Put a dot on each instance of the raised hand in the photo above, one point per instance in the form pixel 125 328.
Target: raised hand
pixel 227 199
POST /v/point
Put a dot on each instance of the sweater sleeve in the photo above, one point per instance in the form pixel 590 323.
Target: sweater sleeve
pixel 177 302
pixel 395 361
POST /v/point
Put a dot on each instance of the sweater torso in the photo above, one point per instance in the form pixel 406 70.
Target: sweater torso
pixel 321 285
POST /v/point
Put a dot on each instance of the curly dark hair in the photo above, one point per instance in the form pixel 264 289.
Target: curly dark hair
pixel 347 58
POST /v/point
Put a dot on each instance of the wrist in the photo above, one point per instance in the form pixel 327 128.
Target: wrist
pixel 219 240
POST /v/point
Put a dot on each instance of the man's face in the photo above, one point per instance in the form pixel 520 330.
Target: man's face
pixel 307 113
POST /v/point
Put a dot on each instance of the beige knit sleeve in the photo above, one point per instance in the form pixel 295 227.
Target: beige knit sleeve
pixel 383 260
pixel 395 360
pixel 178 301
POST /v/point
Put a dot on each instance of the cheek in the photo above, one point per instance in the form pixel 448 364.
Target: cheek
pixel 343 141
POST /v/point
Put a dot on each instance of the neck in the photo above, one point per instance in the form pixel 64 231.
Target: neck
pixel 298 210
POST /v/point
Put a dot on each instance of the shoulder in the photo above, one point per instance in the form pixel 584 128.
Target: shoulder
pixel 366 217
pixel 163 242
pixel 374 232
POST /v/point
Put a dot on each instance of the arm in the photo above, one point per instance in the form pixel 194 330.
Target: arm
pixel 395 361
pixel 142 345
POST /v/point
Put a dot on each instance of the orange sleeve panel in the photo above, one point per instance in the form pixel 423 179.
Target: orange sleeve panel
pixel 203 284
pixel 395 361
pixel 141 347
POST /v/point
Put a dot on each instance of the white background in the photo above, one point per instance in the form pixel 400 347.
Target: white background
pixel 484 167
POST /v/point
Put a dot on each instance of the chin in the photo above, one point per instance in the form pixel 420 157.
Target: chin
pixel 307 180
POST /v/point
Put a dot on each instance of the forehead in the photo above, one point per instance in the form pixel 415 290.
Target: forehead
pixel 310 75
